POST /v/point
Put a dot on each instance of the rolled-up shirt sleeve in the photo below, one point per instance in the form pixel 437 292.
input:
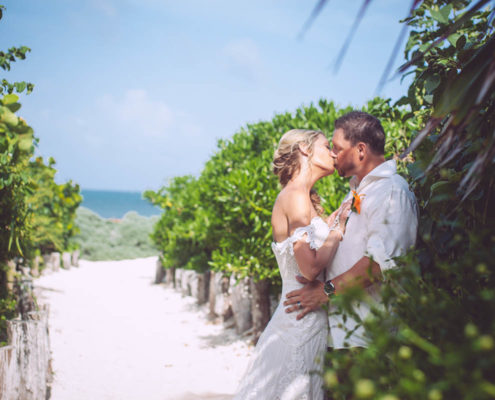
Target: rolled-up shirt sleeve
pixel 392 226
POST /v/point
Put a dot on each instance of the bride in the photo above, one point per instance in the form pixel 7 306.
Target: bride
pixel 287 362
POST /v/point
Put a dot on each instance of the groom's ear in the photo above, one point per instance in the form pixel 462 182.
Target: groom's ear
pixel 362 149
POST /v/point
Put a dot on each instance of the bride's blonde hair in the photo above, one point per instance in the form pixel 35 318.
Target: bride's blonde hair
pixel 286 158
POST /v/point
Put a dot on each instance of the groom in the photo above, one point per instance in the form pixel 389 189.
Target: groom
pixel 382 226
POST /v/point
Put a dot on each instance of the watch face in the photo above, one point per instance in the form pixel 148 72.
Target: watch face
pixel 329 288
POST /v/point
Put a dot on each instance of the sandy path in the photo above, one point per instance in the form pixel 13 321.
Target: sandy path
pixel 114 335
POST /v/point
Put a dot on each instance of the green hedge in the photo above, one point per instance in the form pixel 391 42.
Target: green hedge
pixel 103 239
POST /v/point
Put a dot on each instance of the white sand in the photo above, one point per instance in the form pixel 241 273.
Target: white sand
pixel 115 335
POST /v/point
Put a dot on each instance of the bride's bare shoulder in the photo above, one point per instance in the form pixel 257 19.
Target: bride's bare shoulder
pixel 292 208
pixel 291 198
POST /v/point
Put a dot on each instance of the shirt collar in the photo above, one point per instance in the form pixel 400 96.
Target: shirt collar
pixel 384 170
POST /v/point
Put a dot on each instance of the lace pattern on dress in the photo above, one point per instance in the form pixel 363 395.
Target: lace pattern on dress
pixel 299 378
pixel 316 233
pixel 291 383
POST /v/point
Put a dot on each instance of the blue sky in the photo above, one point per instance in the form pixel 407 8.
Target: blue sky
pixel 132 92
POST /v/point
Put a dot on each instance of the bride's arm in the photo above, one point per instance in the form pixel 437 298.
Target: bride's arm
pixel 311 261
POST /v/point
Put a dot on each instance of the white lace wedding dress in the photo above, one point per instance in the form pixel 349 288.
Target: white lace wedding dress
pixel 288 359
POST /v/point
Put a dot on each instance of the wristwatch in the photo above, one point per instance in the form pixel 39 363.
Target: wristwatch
pixel 329 288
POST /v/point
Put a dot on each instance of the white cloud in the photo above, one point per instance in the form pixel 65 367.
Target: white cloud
pixel 137 113
pixel 243 59
pixel 130 140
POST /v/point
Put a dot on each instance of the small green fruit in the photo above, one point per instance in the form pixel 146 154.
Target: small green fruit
pixel 365 389
pixel 481 268
pixel 419 375
pixel 405 352
pixel 485 342
pixel 470 330
pixel 435 394
pixel 331 379
pixel 389 397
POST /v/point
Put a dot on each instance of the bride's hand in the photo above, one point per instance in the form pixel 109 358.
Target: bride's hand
pixel 331 219
pixel 345 210
pixel 342 213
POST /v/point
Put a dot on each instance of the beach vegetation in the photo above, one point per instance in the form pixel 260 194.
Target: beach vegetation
pixel 101 239
pixel 52 209
pixel 36 214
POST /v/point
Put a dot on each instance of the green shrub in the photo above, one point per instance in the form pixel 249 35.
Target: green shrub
pixel 102 239
pixel 52 208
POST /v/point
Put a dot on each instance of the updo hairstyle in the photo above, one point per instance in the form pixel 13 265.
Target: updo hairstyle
pixel 286 158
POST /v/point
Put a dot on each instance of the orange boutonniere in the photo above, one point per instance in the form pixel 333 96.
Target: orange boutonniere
pixel 356 202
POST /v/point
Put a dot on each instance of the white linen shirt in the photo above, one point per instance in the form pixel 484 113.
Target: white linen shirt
pixel 385 228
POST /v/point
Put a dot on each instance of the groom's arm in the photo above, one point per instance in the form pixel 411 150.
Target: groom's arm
pixel 311 297
pixel 364 273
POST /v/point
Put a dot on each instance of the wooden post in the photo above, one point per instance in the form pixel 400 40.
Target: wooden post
pixel 170 276
pixel 200 283
pixel 75 258
pixel 55 259
pixel 35 266
pixel 159 272
pixel 241 304
pixel 66 260
pixel 25 363
pixel 212 296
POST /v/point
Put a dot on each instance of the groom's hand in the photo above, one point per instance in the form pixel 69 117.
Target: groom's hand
pixel 309 298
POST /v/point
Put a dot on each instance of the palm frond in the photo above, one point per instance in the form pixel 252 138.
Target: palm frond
pixel 350 35
pixel 316 11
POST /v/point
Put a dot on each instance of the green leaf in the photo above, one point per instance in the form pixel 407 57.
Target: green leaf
pixel 8 117
pixel 461 43
pixel 25 144
pixel 14 107
pixel 18 245
pixel 454 38
pixel 462 90
pixel 20 86
pixel 10 99
pixel 11 236
pixel 442 15
pixel 432 83
pixel 424 47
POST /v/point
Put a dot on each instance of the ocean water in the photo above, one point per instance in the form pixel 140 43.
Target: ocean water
pixel 113 204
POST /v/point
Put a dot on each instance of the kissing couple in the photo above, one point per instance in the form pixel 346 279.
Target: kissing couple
pixel 320 257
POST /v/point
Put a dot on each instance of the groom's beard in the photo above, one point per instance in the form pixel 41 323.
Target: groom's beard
pixel 345 170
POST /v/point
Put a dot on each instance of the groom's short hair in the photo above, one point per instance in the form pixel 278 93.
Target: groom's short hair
pixel 359 126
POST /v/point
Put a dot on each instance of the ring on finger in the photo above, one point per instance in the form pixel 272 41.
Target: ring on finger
pixel 299 305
